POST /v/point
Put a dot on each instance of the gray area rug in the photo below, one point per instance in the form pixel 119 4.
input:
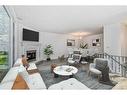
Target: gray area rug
pixel 82 76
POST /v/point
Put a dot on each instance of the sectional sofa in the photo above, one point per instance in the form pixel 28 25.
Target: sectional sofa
pixel 35 81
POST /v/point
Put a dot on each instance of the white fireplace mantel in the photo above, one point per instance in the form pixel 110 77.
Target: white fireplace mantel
pixel 26 46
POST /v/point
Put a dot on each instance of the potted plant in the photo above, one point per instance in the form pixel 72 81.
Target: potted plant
pixel 48 51
pixel 83 46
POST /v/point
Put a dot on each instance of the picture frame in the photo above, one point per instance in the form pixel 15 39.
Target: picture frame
pixel 70 42
pixel 96 42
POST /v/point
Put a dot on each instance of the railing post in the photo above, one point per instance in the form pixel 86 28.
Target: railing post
pixel 122 71
pixel 125 73
pixel 119 64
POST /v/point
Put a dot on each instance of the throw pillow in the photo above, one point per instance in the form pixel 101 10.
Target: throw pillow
pixel 20 83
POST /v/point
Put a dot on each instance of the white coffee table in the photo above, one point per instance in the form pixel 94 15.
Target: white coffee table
pixel 65 70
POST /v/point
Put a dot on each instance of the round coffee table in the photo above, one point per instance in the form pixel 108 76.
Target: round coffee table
pixel 65 70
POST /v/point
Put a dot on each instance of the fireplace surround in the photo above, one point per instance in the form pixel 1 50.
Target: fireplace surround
pixel 31 55
pixel 31 50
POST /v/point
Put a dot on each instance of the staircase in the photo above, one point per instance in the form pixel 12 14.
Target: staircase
pixel 116 63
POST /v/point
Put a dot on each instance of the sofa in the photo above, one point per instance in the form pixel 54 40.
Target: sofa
pixel 35 80
pixel 70 84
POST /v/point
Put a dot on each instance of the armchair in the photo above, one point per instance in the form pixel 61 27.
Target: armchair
pixel 93 70
pixel 100 67
pixel 74 59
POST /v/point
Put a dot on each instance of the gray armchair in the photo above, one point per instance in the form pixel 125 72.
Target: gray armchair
pixel 100 67
pixel 93 66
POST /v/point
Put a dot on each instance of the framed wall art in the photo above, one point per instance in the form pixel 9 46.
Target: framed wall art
pixel 96 42
pixel 70 42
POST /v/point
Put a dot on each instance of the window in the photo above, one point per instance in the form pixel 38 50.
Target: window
pixel 6 41
pixel 5 30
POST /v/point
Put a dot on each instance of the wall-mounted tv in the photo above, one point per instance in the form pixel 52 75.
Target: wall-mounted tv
pixel 30 35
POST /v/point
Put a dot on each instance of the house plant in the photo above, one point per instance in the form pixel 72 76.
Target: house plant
pixel 83 46
pixel 3 57
pixel 48 51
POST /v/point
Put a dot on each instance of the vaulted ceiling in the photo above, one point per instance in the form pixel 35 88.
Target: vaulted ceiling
pixel 66 19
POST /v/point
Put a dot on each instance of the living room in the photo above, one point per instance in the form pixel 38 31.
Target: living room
pixel 49 35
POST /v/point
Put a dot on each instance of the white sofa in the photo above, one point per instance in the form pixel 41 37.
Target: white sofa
pixel 9 79
pixel 70 84
pixel 36 81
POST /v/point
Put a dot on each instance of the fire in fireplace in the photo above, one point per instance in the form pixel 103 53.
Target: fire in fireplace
pixel 31 55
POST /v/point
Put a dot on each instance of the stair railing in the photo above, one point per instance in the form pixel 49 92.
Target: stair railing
pixel 115 63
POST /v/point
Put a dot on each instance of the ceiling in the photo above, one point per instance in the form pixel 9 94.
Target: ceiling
pixel 67 19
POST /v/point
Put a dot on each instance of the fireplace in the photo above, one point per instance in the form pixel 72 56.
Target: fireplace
pixel 31 55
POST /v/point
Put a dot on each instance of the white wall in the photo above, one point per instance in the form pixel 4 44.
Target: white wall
pixel 112 39
pixel 123 40
pixel 89 39
pixel 58 41
pixel 17 39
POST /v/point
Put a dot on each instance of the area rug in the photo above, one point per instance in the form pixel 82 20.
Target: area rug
pixel 90 81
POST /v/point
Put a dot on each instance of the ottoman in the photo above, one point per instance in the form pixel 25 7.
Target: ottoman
pixel 70 84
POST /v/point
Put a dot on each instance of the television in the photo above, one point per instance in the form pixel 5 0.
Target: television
pixel 30 35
